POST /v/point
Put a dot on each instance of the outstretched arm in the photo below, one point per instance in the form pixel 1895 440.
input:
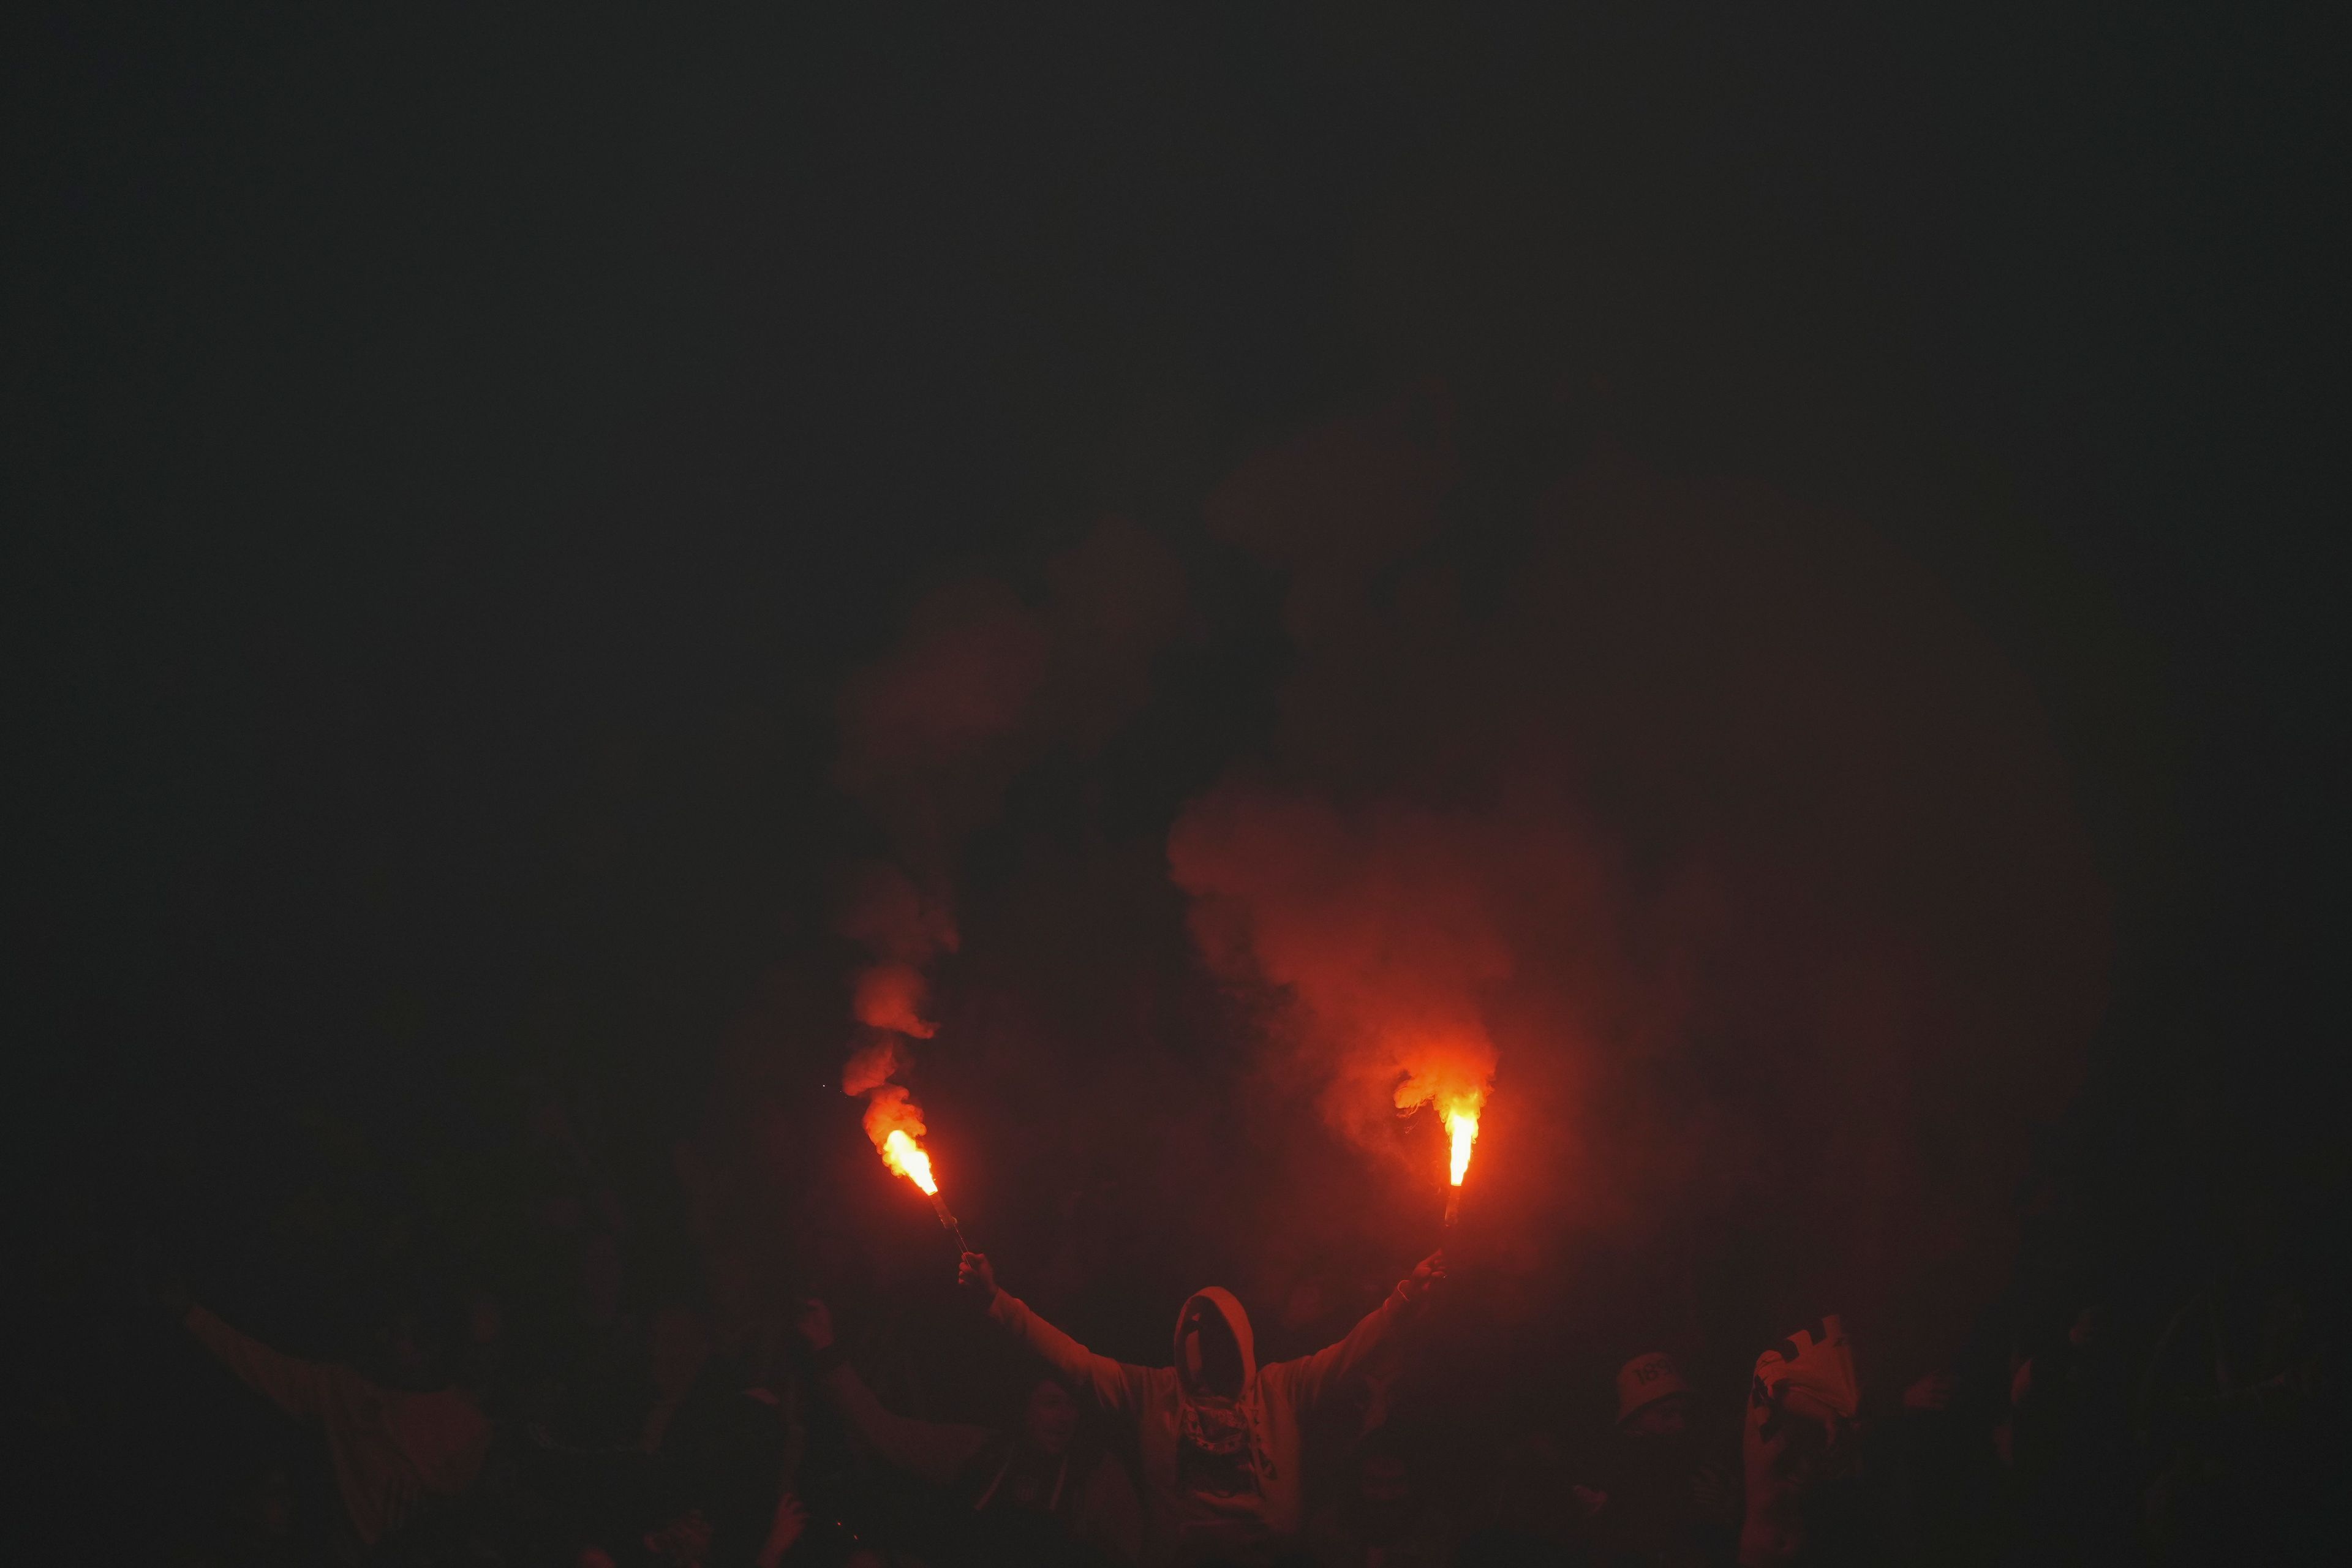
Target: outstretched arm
pixel 1314 1377
pixel 936 1450
pixel 1111 1387
pixel 298 1387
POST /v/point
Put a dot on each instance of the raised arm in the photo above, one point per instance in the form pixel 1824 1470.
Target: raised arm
pixel 1111 1387
pixel 298 1387
pixel 1313 1378
pixel 936 1450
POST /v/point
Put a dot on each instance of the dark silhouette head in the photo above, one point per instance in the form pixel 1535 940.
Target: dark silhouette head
pixel 1049 1418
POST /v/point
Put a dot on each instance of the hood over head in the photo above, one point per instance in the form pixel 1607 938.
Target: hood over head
pixel 1226 1306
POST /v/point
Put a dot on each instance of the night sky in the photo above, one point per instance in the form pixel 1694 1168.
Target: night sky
pixel 457 469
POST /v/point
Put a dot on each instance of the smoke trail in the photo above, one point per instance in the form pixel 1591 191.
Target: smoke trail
pixel 904 931
pixel 979 687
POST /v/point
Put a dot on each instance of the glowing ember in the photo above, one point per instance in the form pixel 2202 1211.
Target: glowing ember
pixel 1462 1125
pixel 898 1153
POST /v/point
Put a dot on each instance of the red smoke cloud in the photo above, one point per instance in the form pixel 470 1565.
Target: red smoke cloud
pixel 890 997
pixel 883 912
pixel 981 685
pixel 872 1065
pixel 1710 824
pixel 1372 922
pixel 890 1110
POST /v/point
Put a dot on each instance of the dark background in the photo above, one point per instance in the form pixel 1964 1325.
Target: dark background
pixel 453 463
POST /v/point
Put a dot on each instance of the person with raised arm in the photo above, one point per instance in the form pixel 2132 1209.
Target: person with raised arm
pixel 1032 1493
pixel 404 1440
pixel 1218 1435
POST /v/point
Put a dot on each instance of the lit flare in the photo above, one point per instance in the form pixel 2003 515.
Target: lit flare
pixel 899 1152
pixel 1461 1126
pixel 1462 1135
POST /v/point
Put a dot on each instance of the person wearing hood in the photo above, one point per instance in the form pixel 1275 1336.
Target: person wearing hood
pixel 1218 1435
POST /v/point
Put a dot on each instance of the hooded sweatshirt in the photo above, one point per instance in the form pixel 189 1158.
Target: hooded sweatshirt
pixel 1221 1476
pixel 394 1453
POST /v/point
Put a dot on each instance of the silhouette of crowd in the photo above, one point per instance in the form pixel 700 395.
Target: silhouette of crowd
pixel 601 1397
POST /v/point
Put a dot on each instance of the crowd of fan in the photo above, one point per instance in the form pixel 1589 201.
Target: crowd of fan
pixel 657 1437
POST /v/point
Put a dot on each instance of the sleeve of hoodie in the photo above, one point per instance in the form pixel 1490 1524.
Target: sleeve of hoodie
pixel 936 1451
pixel 1111 1387
pixel 299 1387
pixel 1314 1377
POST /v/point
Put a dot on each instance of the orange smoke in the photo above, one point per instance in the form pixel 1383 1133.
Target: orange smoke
pixel 872 1065
pixel 904 930
pixel 1376 927
pixel 890 997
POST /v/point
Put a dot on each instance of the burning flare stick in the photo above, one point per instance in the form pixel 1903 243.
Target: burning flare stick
pixel 899 1152
pixel 1462 1130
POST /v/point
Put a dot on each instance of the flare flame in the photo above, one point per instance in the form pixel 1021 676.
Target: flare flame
pixel 1461 1126
pixel 898 1153
pixel 894 1124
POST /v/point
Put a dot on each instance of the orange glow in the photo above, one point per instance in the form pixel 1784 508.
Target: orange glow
pixel 1461 1126
pixel 898 1153
pixel 894 1124
pixel 1451 1071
